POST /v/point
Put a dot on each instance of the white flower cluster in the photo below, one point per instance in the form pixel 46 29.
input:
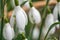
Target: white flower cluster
pixel 34 17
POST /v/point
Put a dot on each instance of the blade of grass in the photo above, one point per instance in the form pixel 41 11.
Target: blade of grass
pixel 53 25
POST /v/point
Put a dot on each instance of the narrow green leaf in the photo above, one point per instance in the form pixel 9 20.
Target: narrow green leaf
pixel 53 25
pixel 43 19
pixel 28 28
pixel 31 33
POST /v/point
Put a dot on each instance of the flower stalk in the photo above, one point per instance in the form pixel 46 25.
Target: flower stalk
pixel 2 18
pixel 43 20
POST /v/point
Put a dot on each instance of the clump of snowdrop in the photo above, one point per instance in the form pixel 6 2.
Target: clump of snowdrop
pixel 48 22
pixel 8 32
pixel 34 16
pixel 35 33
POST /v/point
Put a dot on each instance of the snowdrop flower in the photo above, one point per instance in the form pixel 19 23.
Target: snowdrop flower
pixel 34 15
pixel 48 22
pixel 56 11
pixel 27 5
pixel 8 32
pixel 35 33
pixel 12 19
pixel 21 18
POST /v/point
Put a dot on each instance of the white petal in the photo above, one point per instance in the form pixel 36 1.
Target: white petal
pixel 20 19
pixel 56 10
pixel 34 15
pixel 8 32
pixel 18 8
pixel 12 19
pixel 27 5
pixel 24 15
pixel 35 33
pixel 48 22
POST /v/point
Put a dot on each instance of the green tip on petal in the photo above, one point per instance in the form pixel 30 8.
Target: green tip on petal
pixel 6 20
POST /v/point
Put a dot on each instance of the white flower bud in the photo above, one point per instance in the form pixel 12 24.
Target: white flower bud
pixel 35 33
pixel 8 32
pixel 56 11
pixel 34 15
pixel 21 18
pixel 48 22
pixel 12 19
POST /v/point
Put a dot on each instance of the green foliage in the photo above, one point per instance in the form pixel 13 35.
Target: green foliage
pixel 20 37
pixel 28 28
pixel 53 25
pixel 9 5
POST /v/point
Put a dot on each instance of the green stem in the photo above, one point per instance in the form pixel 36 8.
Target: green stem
pixel 43 19
pixel 30 36
pixel 2 18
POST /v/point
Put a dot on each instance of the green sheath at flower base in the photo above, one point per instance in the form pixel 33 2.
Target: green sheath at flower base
pixel 6 20
pixel 58 0
pixel 16 2
pixel 31 5
pixel 49 10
